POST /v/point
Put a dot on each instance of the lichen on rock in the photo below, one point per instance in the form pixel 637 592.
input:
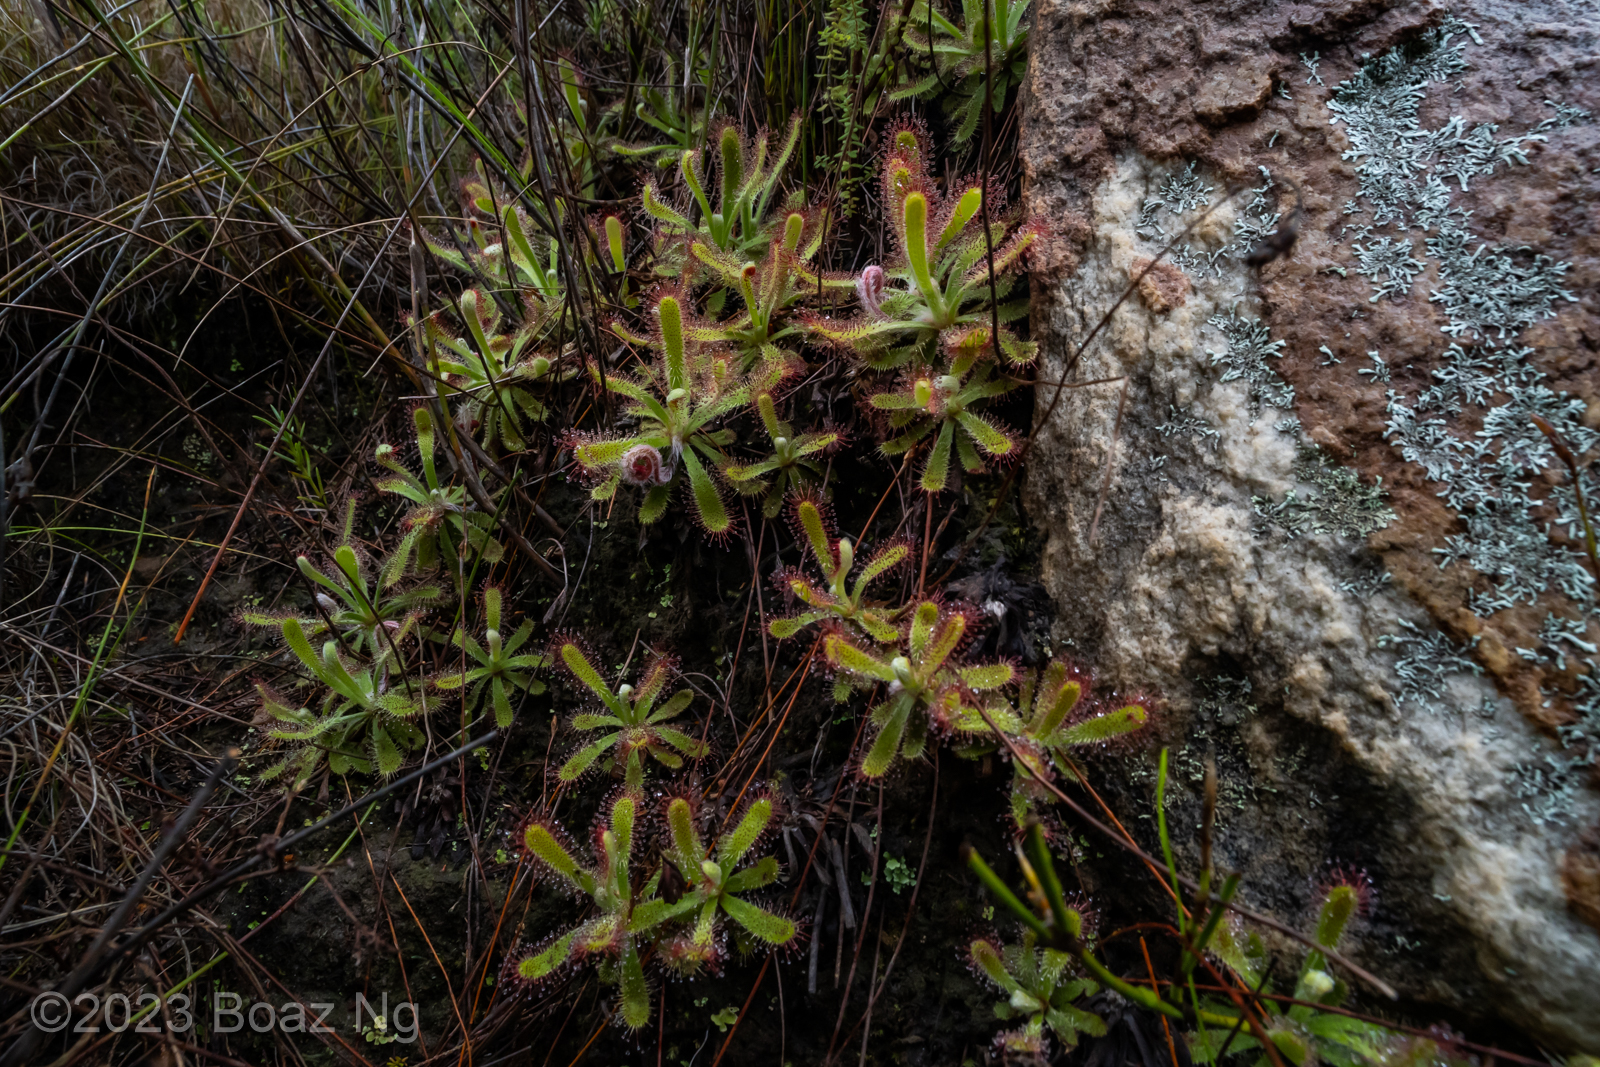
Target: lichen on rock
pixel 1327 482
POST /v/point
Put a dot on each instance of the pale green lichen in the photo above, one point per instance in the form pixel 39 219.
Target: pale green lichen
pixel 1426 662
pixel 1337 502
pixel 1249 346
pixel 1390 266
pixel 1181 423
pixel 1472 430
pixel 1163 220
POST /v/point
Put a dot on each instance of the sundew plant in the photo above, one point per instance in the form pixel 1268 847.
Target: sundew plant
pixel 524 501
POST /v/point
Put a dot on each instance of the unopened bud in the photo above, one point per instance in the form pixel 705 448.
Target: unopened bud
pixel 1318 984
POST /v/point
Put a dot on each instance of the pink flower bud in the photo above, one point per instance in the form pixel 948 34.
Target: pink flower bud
pixel 641 465
pixel 869 288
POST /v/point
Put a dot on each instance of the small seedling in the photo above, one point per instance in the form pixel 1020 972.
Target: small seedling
pixel 440 525
pixel 500 669
pixel 717 880
pixel 925 689
pixel 838 598
pixel 623 914
pixel 635 725
pixel 1040 990
pixel 1040 734
pixel 363 725
pixel 791 467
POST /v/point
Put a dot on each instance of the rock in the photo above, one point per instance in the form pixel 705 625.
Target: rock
pixel 1329 540
pixel 1235 91
pixel 1162 286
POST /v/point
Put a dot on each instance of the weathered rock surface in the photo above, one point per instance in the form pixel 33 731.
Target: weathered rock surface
pixel 1331 538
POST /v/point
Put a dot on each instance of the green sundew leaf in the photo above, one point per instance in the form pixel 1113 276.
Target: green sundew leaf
pixel 1242 952
pixel 680 741
pixel 321 579
pixel 576 662
pixel 878 628
pixel 401 704
pixel 937 473
pixel 345 558
pixel 294 635
pixel 986 956
pixel 893 401
pixel 1052 700
pixel 769 417
pixel 539 841
pixel 914 212
pixel 635 992
pixel 969 118
pixel 945 643
pixel 1294 1047
pixel 750 472
pixel 670 316
pixel 1335 914
pixel 654 504
pixel 522 252
pixel 502 704
pixel 841 653
pixel 519 639
pixel 463 640
pixel 1103 727
pixel 666 757
pixel 968 206
pixel 775 170
pixel 857 332
pixel 1068 1022
pixel 687 842
pixel 727 265
pixel 922 624
pixel 763 872
pixel 811 521
pixel 989 676
pixel 793 227
pixel 970 460
pixel 654 207
pixel 649 688
pixel 773 929
pixel 622 816
pixel 731 849
pixel 672 708
pixel 395 568
pixel 887 744
pixel 595 722
pixel 387 753
pixel 422 419
pixel 491 608
pixel 812 443
pixel 905 441
pixel 544 963
pixel 707 501
pixel 581 759
pixel 782 628
pixel 732 169
pixel 989 439
pixel 883 560
pixel 592 455
pixel 817 598
pixel 613 225
pixel 652 913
